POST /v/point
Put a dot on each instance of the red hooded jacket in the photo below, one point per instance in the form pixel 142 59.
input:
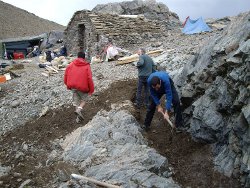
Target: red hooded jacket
pixel 78 76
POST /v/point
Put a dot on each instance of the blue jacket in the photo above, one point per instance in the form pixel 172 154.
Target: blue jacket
pixel 164 89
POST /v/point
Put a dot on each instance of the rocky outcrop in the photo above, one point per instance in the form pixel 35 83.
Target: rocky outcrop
pixel 218 24
pixel 112 148
pixel 216 95
pixel 149 8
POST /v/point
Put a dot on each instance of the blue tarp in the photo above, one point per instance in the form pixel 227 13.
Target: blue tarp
pixel 195 26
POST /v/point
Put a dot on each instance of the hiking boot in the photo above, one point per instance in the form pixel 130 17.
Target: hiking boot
pixel 178 131
pixel 146 128
pixel 79 113
pixel 146 106
pixel 78 120
pixel 136 105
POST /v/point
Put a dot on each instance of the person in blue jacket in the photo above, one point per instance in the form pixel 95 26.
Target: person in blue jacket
pixel 160 83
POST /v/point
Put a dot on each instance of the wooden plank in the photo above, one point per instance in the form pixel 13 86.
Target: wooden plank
pixel 155 52
pixel 52 68
pixel 45 74
pixel 129 59
pixel 135 57
pixel 104 184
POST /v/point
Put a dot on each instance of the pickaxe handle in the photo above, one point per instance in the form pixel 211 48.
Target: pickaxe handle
pixel 168 120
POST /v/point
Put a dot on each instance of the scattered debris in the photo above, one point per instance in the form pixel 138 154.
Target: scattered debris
pixel 7 76
pixel 56 64
pixel 2 79
pixel 25 183
pixel 44 111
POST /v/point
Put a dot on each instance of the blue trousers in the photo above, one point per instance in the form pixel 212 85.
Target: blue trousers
pixel 176 106
pixel 142 82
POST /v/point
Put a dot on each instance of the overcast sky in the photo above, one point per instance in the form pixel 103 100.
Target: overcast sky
pixel 61 11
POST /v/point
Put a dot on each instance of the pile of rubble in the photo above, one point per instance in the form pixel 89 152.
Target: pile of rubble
pixel 57 64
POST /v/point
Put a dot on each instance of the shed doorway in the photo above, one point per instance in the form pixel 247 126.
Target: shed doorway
pixel 82 36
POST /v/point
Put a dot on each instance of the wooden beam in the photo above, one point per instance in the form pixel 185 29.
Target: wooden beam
pixel 135 57
pixel 129 59
pixel 52 68
pixel 104 184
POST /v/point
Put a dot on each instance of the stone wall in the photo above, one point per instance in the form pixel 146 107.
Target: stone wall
pixel 99 28
pixel 73 36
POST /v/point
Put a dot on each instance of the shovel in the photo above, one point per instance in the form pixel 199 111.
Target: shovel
pixel 168 120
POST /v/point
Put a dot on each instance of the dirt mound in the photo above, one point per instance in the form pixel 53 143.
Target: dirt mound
pixel 16 22
pixel 26 148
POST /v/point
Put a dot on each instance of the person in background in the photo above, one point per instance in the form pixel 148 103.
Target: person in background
pixel 103 52
pixel 63 51
pixel 160 83
pixel 113 52
pixel 78 79
pixel 36 51
pixel 145 67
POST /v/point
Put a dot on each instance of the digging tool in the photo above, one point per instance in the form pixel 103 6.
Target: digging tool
pixel 168 120
pixel 104 184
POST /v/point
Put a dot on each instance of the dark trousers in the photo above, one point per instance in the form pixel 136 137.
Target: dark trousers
pixel 142 82
pixel 176 105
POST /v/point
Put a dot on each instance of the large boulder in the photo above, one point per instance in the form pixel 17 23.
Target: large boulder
pixel 112 148
pixel 149 8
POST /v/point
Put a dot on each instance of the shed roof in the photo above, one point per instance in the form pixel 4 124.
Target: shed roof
pixel 44 35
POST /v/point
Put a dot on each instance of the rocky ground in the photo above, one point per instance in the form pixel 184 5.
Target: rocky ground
pixel 37 122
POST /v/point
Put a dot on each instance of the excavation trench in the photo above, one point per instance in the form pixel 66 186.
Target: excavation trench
pixel 192 162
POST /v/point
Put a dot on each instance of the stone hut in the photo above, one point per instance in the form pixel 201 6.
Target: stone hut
pixel 90 31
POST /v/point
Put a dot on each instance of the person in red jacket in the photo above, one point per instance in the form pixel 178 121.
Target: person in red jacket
pixel 78 79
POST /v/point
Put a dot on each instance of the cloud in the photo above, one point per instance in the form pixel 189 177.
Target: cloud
pixel 61 11
pixel 207 8
pixel 56 10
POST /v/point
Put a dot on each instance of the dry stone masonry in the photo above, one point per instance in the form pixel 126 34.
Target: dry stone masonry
pixel 91 31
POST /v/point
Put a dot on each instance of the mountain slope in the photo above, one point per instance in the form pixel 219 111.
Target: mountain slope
pixel 16 22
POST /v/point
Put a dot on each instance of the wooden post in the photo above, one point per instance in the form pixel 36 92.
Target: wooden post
pixel 104 184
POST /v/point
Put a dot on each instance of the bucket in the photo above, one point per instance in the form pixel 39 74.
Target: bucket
pixel 2 79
